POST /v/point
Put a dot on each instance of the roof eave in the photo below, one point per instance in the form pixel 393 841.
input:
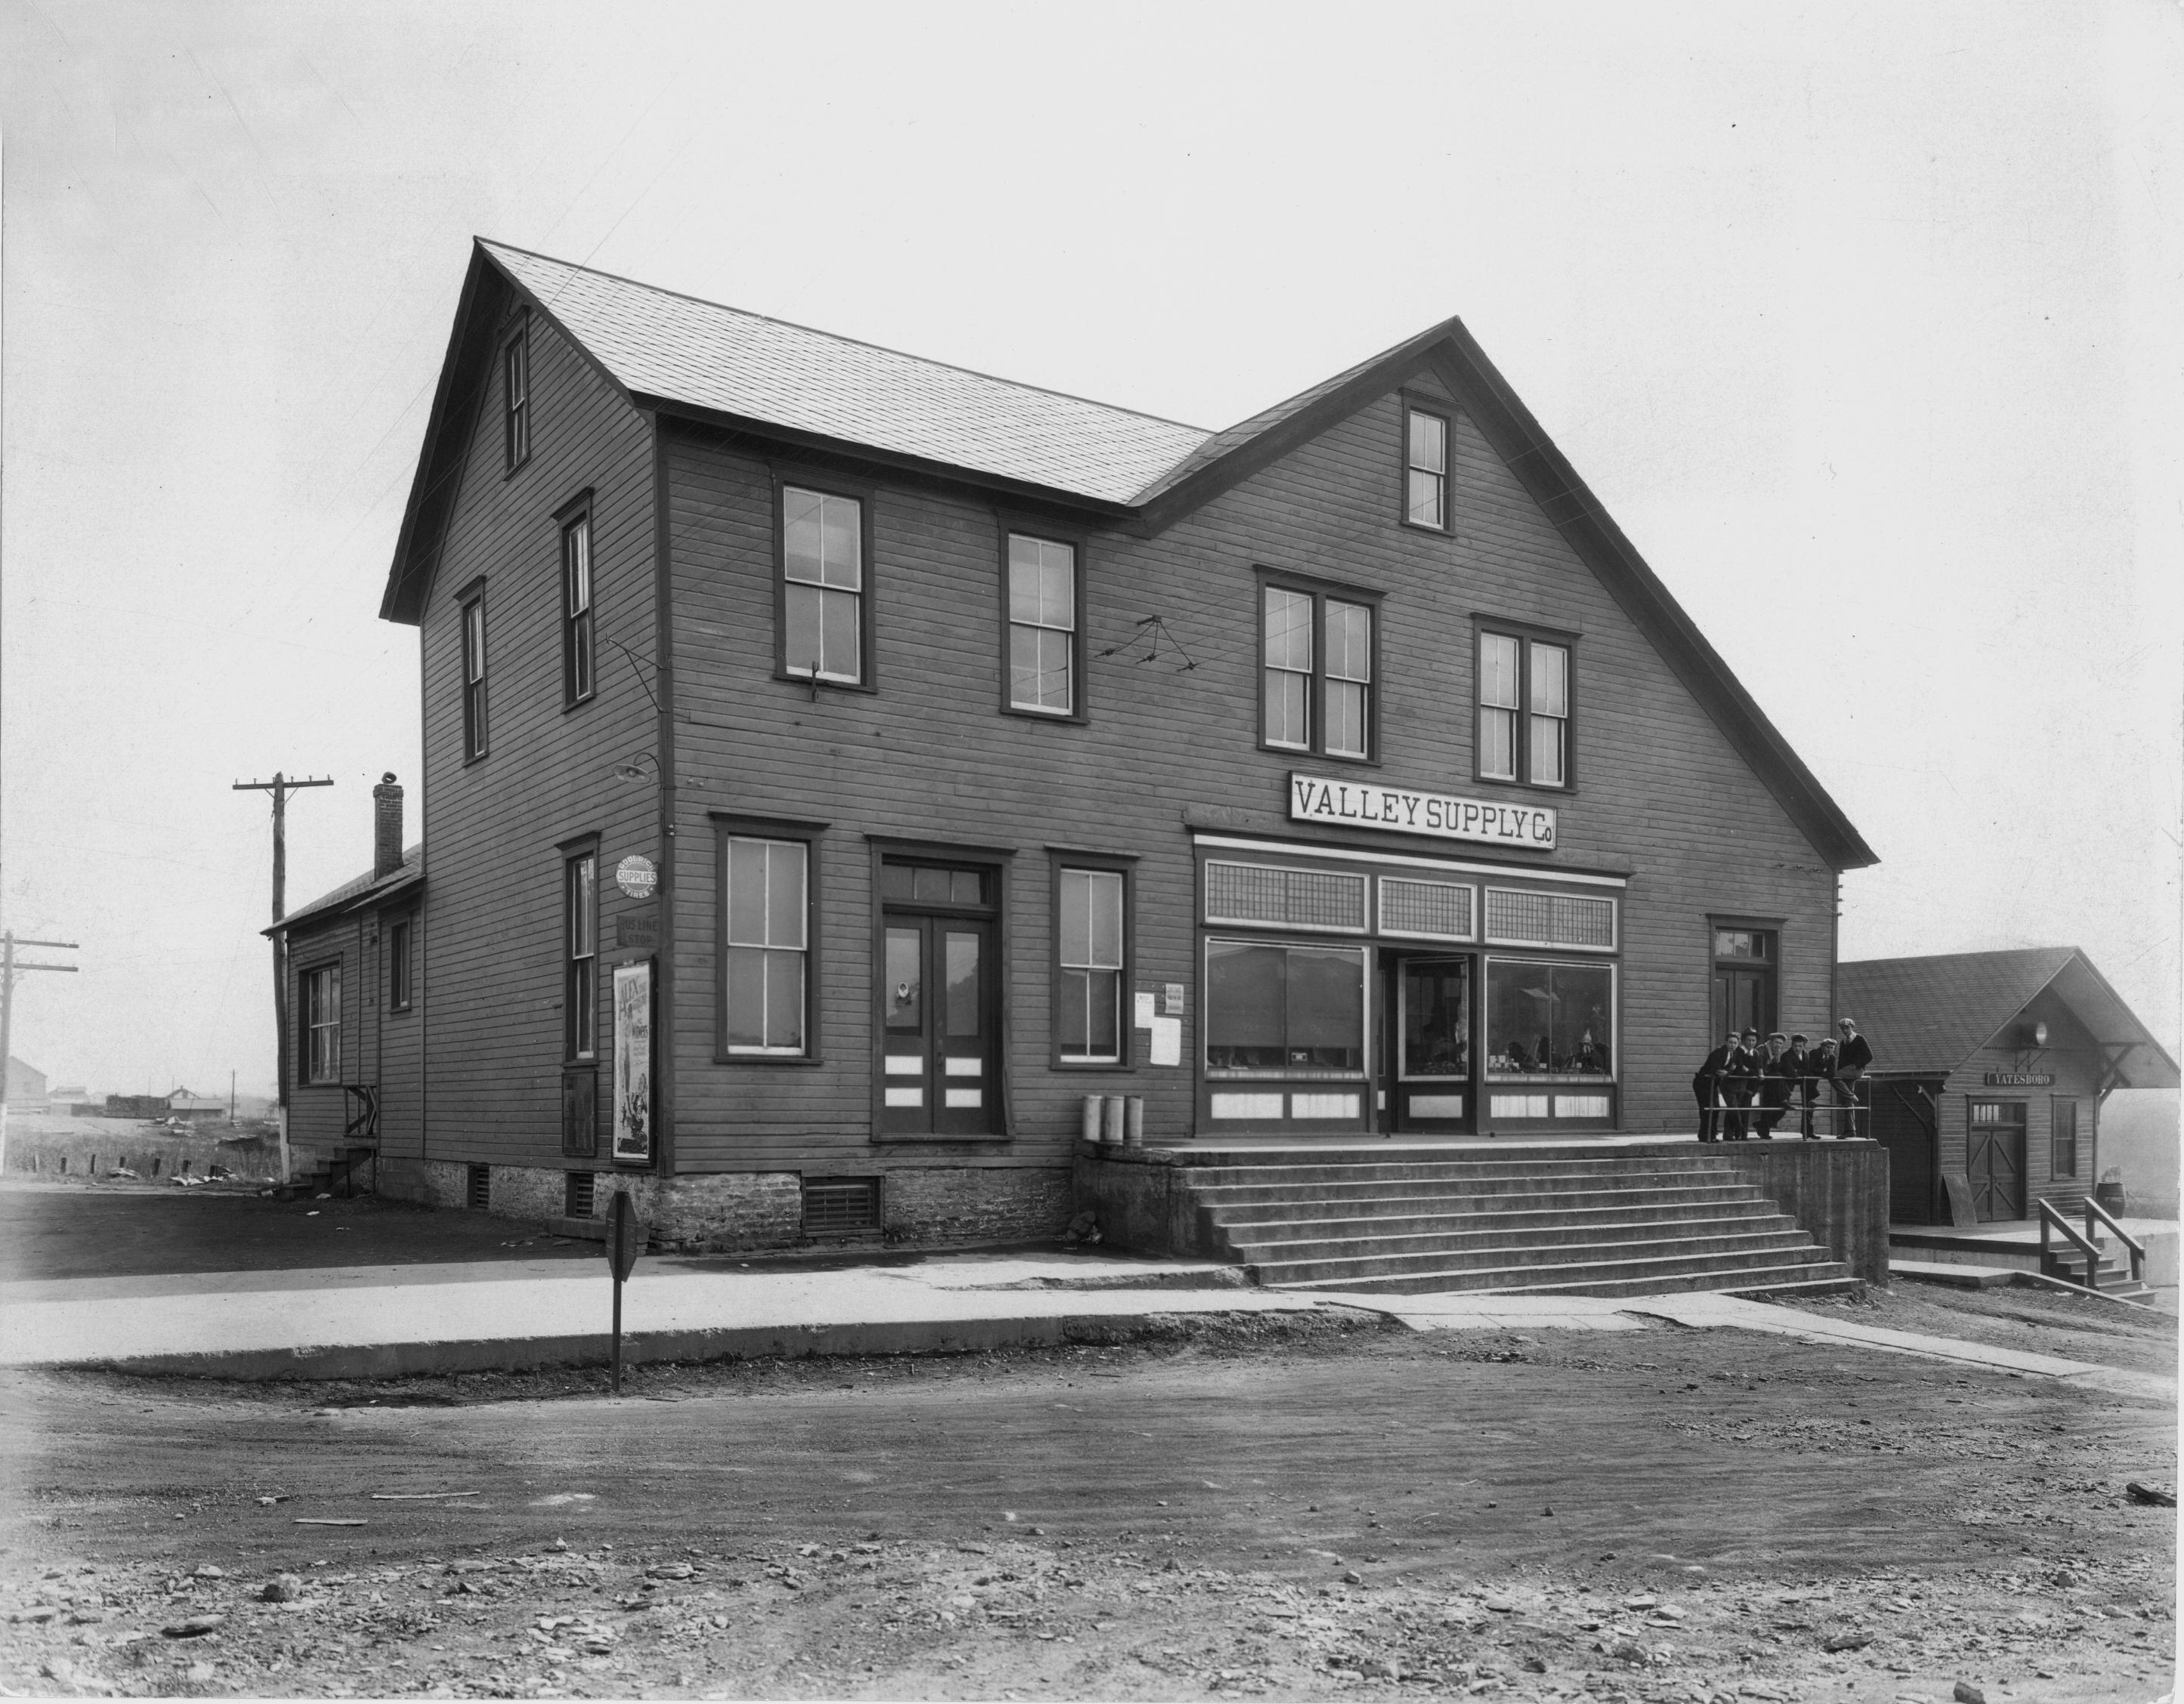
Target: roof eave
pixel 323 911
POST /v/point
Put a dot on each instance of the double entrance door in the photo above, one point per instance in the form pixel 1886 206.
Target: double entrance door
pixel 939 1009
pixel 1427 1003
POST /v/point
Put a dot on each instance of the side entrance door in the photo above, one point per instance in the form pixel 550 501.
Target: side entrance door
pixel 938 1020
pixel 1429 1005
pixel 1997 1159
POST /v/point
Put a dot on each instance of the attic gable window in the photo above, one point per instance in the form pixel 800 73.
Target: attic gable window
pixel 1425 468
pixel 516 394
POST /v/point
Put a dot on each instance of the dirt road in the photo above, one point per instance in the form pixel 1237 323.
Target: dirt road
pixel 1655 1514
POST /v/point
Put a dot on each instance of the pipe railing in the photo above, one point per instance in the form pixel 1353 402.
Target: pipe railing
pixel 1743 1102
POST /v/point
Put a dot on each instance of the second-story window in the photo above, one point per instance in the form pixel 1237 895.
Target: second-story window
pixel 1317 672
pixel 823 570
pixel 1523 710
pixel 1042 626
pixel 397 965
pixel 474 728
pixel 1425 473
pixel 577 660
pixel 580 907
pixel 516 396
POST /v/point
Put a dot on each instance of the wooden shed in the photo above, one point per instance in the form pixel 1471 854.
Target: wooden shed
pixel 1989 1073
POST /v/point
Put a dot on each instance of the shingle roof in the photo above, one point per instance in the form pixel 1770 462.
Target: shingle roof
pixel 358 889
pixel 656 344
pixel 1931 1014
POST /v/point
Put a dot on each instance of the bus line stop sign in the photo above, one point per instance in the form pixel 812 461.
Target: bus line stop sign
pixel 626 1235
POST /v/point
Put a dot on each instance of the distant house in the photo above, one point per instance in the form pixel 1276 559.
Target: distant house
pixel 26 1084
pixel 72 1101
pixel 1989 1071
pixel 185 1103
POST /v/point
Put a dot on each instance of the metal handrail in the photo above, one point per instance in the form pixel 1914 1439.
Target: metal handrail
pixel 2050 1215
pixel 2094 1210
pixel 1744 1101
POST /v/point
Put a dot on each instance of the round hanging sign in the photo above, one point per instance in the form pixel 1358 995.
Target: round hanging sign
pixel 636 876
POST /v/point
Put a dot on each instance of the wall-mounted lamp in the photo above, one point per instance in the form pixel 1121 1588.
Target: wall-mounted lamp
pixel 643 766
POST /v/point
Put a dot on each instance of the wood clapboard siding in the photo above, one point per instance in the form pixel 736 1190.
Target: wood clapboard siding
pixel 490 987
pixel 930 756
pixel 2074 1059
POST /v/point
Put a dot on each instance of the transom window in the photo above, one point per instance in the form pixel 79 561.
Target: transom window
pixel 823 566
pixel 577 661
pixel 1744 943
pixel 1042 626
pixel 1425 443
pixel 1089 1011
pixel 1524 710
pixel 1319 672
pixel 768 945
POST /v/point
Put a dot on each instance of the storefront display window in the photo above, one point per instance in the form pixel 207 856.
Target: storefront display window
pixel 1275 1010
pixel 1552 1022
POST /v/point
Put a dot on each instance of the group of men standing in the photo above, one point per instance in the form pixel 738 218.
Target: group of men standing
pixel 1744 1088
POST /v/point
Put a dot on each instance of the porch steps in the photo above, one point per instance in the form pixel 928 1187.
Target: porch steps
pixel 1538 1224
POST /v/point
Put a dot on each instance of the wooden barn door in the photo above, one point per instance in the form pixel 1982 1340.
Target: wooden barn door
pixel 1997 1159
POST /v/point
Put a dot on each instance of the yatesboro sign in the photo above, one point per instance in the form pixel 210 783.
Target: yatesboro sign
pixel 1405 811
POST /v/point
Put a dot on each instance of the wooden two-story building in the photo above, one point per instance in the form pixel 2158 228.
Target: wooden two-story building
pixel 838 764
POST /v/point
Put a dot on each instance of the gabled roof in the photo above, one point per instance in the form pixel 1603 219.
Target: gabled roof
pixel 674 354
pixel 358 893
pixel 1930 1015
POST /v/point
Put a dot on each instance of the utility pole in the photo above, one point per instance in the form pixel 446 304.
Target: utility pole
pixel 281 787
pixel 10 968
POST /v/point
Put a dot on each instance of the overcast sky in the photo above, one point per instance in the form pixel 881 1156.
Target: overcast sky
pixel 1861 320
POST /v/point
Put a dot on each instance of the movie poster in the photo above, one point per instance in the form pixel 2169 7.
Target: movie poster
pixel 632 1063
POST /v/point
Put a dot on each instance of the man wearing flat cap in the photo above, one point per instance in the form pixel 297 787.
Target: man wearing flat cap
pixel 1803 1072
pixel 1853 1054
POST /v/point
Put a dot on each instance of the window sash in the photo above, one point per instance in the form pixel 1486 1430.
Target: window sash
pixel 515 373
pixel 473 640
pixel 1042 625
pixel 768 931
pixel 1317 655
pixel 581 907
pixel 1569 1006
pixel 1426 463
pixel 1524 710
pixel 577 582
pixel 1274 1009
pixel 397 965
pixel 822 564
pixel 322 1025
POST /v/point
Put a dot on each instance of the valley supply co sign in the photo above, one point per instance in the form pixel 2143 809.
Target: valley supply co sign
pixel 1346 804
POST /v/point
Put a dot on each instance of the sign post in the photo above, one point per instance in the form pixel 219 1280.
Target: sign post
pixel 625 1241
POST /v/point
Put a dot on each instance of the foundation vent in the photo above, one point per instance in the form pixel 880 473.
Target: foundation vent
pixel 841 1207
pixel 578 1195
pixel 479 1196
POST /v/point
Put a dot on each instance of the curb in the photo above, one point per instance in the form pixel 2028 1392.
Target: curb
pixel 725 1343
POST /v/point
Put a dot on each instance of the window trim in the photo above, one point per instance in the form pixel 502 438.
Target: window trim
pixel 1612 1080
pixel 1059 859
pixel 1527 634
pixel 477 694
pixel 783 476
pixel 572 852
pixel 516 416
pixel 1015 526
pixel 732 826
pixel 1414 403
pixel 1319 591
pixel 305 975
pixel 575 513
pixel 401 933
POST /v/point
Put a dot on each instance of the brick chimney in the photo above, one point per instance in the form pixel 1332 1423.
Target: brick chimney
pixel 386 826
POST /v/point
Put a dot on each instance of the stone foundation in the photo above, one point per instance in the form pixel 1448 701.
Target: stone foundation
pixel 742 1212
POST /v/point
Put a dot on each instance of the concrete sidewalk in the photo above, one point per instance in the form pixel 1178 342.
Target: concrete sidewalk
pixel 387 1321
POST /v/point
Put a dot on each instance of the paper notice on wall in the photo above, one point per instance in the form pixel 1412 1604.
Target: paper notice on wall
pixel 1167 1041
pixel 1146 1003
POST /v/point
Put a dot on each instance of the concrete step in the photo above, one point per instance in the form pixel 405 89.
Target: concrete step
pixel 1358 1266
pixel 1307 1205
pixel 1367 1171
pixel 1376 1243
pixel 1634 1277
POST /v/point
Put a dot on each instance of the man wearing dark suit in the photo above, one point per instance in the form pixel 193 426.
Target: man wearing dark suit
pixel 1775 1081
pixel 1706 1086
pixel 1853 1054
pixel 1797 1062
pixel 1739 1078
